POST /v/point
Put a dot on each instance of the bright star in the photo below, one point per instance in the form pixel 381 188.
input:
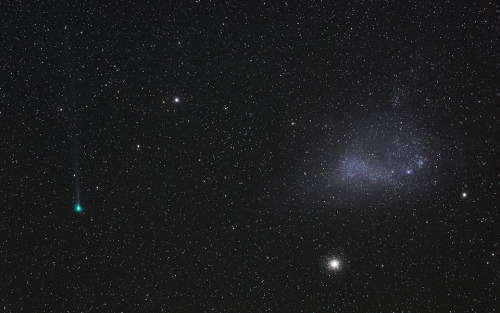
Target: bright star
pixel 176 99
pixel 464 195
pixel 334 264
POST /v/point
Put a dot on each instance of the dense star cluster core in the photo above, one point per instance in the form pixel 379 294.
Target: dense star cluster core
pixel 334 264
pixel 249 156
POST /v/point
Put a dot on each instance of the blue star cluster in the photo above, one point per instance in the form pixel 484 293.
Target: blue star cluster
pixel 384 156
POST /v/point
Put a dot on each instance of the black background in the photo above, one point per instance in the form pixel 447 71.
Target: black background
pixel 224 201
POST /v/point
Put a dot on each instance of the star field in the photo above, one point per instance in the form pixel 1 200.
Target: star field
pixel 243 156
pixel 387 155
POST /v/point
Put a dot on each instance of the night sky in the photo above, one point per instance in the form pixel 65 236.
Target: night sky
pixel 247 156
